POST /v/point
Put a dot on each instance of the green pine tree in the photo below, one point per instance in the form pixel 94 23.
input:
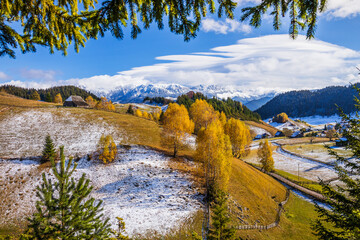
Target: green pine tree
pixel 343 220
pixel 64 209
pixel 221 220
pixel 130 110
pixel 35 96
pixel 48 152
pixel 48 97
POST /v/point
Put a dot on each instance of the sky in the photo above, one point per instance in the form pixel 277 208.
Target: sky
pixel 226 53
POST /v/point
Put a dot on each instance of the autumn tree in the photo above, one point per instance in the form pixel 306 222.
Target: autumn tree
pixel 281 118
pixel 202 113
pixel 213 149
pixel 342 220
pixel 90 101
pixel 107 149
pixel 48 152
pixel 64 209
pixel 265 156
pixel 138 113
pixel 176 125
pixel 104 104
pixel 287 132
pixel 239 135
pixel 35 96
pixel 58 98
pixel 331 134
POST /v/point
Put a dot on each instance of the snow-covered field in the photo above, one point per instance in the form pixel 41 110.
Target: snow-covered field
pixel 23 134
pixel 138 187
pixel 258 131
pixel 321 120
pixel 292 164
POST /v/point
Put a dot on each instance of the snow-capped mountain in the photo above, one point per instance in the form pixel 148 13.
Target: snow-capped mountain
pixel 136 94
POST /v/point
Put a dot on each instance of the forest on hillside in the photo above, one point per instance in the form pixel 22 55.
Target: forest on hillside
pixel 323 102
pixel 230 107
pixel 48 94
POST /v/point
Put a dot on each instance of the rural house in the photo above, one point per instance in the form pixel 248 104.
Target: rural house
pixel 75 101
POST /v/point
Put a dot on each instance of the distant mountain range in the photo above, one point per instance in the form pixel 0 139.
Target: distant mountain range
pixel 305 103
pixel 137 94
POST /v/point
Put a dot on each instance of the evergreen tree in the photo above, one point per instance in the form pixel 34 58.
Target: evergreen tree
pixel 130 110
pixel 221 220
pixel 64 209
pixel 343 220
pixel 48 97
pixel 48 152
pixel 35 96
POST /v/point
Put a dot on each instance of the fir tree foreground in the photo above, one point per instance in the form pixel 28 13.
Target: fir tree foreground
pixel 64 209
pixel 57 25
pixel 343 220
pixel 48 152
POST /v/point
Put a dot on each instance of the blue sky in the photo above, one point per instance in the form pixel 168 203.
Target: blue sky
pixel 163 57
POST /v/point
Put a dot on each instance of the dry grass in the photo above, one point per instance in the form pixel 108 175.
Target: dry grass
pixel 264 126
pixel 13 101
pixel 295 223
pixel 317 151
pixel 255 191
pixel 290 141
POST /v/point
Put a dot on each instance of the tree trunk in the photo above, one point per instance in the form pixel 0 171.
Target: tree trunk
pixel 175 150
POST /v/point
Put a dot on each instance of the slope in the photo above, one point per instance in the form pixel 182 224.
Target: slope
pixel 309 103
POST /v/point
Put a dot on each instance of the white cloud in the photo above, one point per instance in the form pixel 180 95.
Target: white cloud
pixel 224 27
pixel 259 64
pixel 3 76
pixel 343 8
pixel 39 75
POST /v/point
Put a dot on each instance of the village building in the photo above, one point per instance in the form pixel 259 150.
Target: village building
pixel 75 101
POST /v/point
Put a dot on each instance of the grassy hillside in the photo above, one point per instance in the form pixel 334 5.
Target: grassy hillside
pixel 263 125
pixel 256 192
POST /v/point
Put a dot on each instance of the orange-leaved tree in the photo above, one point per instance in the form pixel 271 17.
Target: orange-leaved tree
pixel 202 113
pixel 90 101
pixel 176 125
pixel 107 149
pixel 58 98
pixel 265 156
pixel 213 149
pixel 239 135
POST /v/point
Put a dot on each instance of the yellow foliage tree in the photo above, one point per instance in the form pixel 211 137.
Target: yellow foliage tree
pixel 145 115
pixel 104 104
pixel 90 101
pixel 222 118
pixel 281 118
pixel 213 149
pixel 202 113
pixel 107 149
pixel 176 125
pixel 58 98
pixel 265 156
pixel 239 135
pixel 138 113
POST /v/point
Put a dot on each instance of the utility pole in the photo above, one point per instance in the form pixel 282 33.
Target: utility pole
pixel 299 172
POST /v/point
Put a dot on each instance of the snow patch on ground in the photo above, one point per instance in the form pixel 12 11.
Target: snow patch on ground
pixel 258 131
pixel 138 187
pixel 321 120
pixel 23 134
